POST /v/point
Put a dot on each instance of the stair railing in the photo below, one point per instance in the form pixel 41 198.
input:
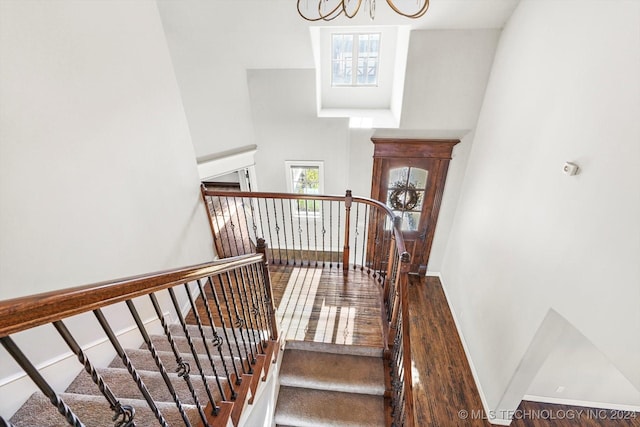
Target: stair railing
pixel 301 229
pixel 232 311
pixel 347 232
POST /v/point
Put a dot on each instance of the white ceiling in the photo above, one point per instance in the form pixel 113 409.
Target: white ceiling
pixel 214 43
pixel 271 34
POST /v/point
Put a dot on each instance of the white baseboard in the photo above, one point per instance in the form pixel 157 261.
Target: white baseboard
pixel 483 399
pixel 582 403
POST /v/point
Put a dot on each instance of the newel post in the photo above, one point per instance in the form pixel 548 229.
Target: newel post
pixel 348 199
pixel 261 248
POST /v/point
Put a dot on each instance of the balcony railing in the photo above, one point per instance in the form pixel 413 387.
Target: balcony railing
pixel 344 232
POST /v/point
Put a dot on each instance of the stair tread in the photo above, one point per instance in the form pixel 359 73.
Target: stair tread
pixel 355 350
pixel 161 343
pixel 93 411
pixel 142 359
pixel 330 371
pixel 194 331
pixel 316 408
pixel 122 385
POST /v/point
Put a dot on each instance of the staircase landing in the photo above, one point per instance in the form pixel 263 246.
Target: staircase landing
pixel 324 305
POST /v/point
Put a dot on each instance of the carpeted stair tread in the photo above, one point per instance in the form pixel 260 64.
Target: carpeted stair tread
pixel 94 411
pixel 160 342
pixel 142 359
pixel 122 385
pixel 194 331
pixel 331 371
pixel 304 407
pixel 354 350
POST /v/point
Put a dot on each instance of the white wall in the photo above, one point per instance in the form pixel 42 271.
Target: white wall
pixel 98 177
pixel 565 85
pixel 447 74
pixel 213 43
pixel 284 118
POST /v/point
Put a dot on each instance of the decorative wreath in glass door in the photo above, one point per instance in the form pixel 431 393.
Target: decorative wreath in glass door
pixel 404 197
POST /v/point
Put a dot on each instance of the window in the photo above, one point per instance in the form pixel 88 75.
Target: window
pixel 354 59
pixel 305 177
pixel 406 194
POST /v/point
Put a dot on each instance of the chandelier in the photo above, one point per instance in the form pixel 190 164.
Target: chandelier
pixel 327 10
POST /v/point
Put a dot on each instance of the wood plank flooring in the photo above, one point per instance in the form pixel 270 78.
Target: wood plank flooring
pixel 323 305
pixel 444 385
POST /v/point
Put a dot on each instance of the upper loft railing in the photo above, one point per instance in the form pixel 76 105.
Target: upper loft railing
pixel 351 233
pixel 233 321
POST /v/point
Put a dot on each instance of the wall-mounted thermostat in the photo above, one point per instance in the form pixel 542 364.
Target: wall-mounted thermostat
pixel 570 168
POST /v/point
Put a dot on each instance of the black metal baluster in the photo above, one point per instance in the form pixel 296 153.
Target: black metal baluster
pixel 315 230
pixel 300 233
pixel 338 237
pixel 124 414
pixel 183 370
pixel 267 301
pixel 224 328
pixel 266 209
pixel 233 226
pixel 261 220
pixel 256 297
pixel 355 237
pixel 254 227
pixel 324 234
pixel 130 368
pixel 293 234
pixel 215 408
pixel 220 229
pixel 217 340
pixel 365 238
pixel 232 326
pixel 275 215
pixel 330 234
pixel 196 315
pixel 284 229
pixel 379 228
pixel 240 323
pixel 159 364
pixel 308 251
pixel 247 312
pixel 39 380
pixel 251 310
pixel 261 297
pixel 245 250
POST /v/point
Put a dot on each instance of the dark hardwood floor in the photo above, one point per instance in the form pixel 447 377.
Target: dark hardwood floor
pixel 444 390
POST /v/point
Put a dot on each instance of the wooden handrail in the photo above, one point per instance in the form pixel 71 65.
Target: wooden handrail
pixel 19 314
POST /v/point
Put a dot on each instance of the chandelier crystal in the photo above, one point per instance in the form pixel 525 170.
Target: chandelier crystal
pixel 327 10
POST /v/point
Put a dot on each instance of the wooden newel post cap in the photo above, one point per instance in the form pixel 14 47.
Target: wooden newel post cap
pixel 261 245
